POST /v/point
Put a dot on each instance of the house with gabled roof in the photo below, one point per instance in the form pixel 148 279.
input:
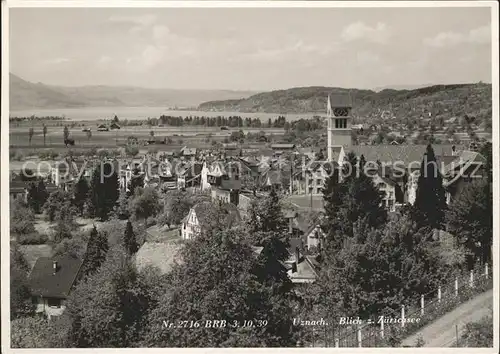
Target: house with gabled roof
pixel 51 281
pixel 102 128
pixel 188 152
pixel 301 267
pixel 19 190
pixel 456 171
pixel 201 215
pixel 114 126
pixel 393 194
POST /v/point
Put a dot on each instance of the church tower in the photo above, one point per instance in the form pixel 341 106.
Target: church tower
pixel 338 108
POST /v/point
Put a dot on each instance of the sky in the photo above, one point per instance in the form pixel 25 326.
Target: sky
pixel 250 49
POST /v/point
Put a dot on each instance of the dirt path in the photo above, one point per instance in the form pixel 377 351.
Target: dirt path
pixel 442 332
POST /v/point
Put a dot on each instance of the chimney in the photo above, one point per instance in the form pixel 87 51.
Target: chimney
pixel 54 267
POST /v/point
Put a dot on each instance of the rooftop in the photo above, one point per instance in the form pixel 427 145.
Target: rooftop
pixel 44 282
pixel 405 153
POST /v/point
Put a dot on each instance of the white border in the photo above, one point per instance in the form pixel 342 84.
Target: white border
pixel 4 204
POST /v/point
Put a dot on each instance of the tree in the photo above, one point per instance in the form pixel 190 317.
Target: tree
pixel 430 201
pixel 122 208
pixel 104 190
pixel 129 241
pixel 131 150
pixel 319 156
pixel 144 203
pixel 75 246
pixel 115 119
pixel 37 195
pixel 97 248
pixel 30 134
pixel 470 218
pixel 81 194
pixel 487 151
pixel 44 133
pixel 108 308
pixel 478 334
pixel 176 207
pixel 56 200
pixel 136 181
pixel 22 219
pixel 65 222
pixel 352 199
pixel 238 136
pixel 267 228
pixel 20 294
pixel 151 133
pixel 214 265
pixel 30 332
pixel 66 133
pixel 378 269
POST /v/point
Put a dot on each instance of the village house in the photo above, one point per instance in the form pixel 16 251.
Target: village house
pixel 188 152
pixel 271 179
pixel 114 126
pixel 168 178
pixel 224 175
pixel 102 128
pixel 467 167
pixel 188 174
pixel 392 192
pixel 19 190
pixel 66 172
pixel 301 268
pixel 202 214
pixel 456 171
pixel 310 178
pixel 51 281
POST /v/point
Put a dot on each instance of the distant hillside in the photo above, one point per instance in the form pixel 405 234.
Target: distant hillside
pixel 24 94
pixel 400 87
pixel 440 100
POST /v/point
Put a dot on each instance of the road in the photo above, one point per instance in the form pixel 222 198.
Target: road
pixel 442 332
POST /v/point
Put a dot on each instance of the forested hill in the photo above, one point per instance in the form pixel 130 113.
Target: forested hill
pixel 443 100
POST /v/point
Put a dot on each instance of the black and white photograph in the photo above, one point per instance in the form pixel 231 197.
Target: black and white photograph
pixel 250 174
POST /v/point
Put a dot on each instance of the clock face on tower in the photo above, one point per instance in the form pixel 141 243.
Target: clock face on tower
pixel 340 112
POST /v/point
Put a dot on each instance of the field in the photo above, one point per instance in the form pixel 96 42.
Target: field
pixel 190 136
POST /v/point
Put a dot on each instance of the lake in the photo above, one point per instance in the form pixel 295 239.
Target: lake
pixel 131 113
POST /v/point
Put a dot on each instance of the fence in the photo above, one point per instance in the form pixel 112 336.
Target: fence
pixel 408 320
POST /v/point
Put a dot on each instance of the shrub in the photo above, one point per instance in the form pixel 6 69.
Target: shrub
pixel 478 334
pixel 33 238
pixel 48 155
pixel 16 155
